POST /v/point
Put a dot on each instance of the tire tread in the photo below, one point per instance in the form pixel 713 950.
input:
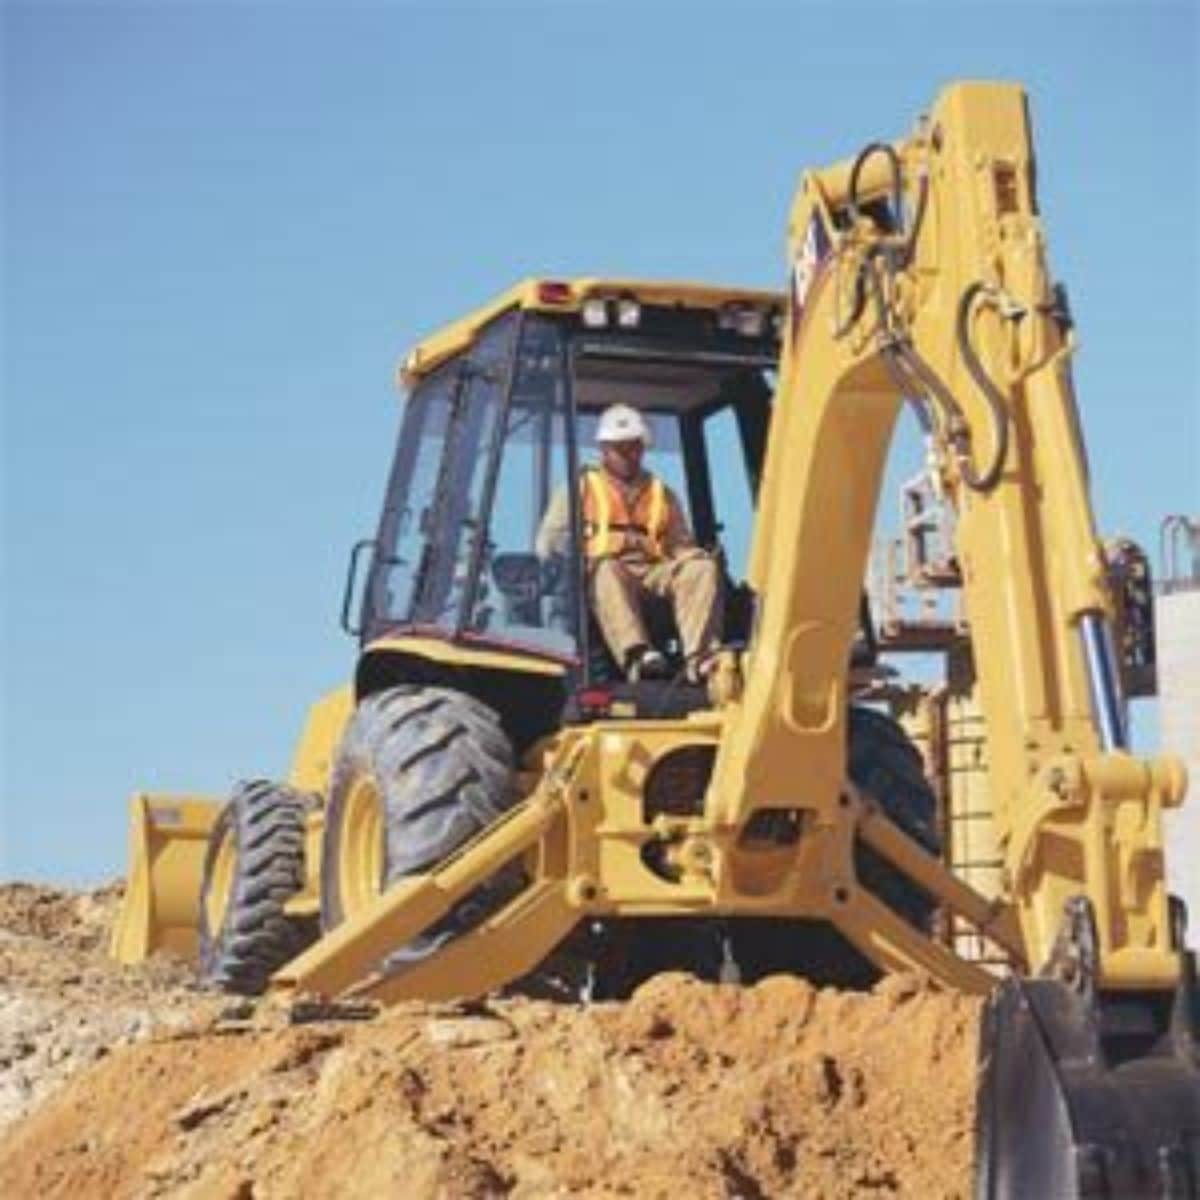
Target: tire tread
pixel 443 767
pixel 256 937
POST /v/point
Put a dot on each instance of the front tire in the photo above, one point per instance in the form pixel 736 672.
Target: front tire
pixel 253 866
pixel 420 771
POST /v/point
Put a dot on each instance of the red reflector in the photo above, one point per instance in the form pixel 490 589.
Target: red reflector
pixel 553 292
pixel 595 698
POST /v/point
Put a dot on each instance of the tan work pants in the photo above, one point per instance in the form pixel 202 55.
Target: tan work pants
pixel 690 581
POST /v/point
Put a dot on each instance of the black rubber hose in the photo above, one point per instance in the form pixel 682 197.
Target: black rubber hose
pixel 993 395
pixel 929 379
pixel 861 278
pixel 908 387
pixel 881 308
pixel 958 430
pixel 893 158
pixel 857 304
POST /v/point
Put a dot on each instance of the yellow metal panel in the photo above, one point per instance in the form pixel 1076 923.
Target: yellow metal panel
pixel 168 838
pixel 457 654
pixel 313 757
pixel 455 337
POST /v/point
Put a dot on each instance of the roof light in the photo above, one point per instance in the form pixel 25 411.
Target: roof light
pixel 553 291
pixel 744 319
pixel 629 313
pixel 751 322
pixel 594 312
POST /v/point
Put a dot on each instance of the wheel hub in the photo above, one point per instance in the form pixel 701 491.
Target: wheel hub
pixel 360 851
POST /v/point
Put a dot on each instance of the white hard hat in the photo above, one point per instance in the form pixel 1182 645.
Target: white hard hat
pixel 620 423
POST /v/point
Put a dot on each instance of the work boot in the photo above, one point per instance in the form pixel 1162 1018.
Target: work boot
pixel 700 666
pixel 648 663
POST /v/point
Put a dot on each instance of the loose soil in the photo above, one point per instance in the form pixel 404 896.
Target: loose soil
pixel 119 1082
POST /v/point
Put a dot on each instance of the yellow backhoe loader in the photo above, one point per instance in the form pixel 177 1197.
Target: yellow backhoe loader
pixel 493 804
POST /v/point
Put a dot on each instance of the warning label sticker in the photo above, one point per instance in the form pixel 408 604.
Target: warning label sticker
pixel 814 249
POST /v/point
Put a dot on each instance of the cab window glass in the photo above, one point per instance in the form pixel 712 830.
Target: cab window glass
pixel 409 504
pixel 455 521
pixel 432 520
pixel 524 595
pixel 731 489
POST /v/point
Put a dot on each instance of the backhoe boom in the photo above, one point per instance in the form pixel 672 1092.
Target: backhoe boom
pixel 919 270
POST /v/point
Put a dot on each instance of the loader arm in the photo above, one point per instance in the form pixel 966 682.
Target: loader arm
pixel 919 269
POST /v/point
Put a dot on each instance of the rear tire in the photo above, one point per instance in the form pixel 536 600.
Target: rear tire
pixel 884 763
pixel 420 771
pixel 253 866
pixel 887 766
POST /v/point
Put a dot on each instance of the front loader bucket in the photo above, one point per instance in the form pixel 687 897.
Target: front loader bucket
pixel 168 836
pixel 1088 1096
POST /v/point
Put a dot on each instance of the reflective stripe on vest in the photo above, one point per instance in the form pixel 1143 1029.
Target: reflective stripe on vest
pixel 606 519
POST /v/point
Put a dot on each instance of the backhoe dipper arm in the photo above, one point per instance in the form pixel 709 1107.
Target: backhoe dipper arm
pixel 918 271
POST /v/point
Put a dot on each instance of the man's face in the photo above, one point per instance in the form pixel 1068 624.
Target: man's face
pixel 623 459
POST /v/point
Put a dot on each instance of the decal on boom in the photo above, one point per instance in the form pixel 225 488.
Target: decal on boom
pixel 806 264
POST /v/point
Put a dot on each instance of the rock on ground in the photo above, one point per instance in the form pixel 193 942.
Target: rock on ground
pixel 131 1083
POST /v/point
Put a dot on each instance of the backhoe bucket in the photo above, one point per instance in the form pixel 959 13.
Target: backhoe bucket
pixel 168 837
pixel 1088 1096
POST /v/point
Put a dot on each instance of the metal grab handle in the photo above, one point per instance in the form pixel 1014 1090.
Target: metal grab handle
pixel 348 591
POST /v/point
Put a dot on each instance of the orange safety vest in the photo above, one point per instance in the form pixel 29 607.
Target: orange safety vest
pixel 607 519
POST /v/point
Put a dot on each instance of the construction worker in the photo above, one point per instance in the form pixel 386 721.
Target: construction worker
pixel 637 543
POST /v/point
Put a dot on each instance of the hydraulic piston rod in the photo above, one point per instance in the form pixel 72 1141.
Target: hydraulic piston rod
pixel 1108 702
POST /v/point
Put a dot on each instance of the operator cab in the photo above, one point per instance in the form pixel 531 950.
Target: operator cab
pixel 501 415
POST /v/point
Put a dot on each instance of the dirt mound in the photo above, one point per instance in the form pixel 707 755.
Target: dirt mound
pixel 81 919
pixel 63 1002
pixel 776 1090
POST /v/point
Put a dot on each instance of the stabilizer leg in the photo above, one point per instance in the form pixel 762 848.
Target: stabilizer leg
pixel 356 952
pixel 506 946
pixel 892 943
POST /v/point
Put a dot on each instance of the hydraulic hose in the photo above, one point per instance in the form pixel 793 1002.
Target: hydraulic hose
pixel 859 298
pixel 930 382
pixel 958 430
pixel 903 361
pixel 858 302
pixel 905 256
pixel 908 387
pixel 893 158
pixel 992 394
pixel 897 258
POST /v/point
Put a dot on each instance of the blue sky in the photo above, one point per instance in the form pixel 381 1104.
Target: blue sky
pixel 223 224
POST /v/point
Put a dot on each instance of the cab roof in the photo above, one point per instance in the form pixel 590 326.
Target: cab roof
pixel 565 296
